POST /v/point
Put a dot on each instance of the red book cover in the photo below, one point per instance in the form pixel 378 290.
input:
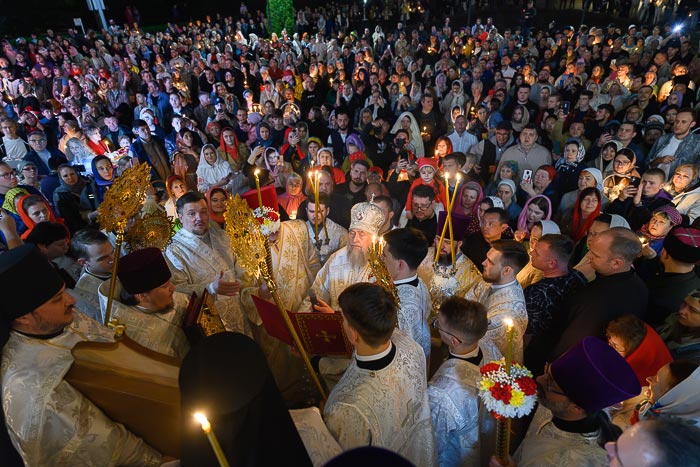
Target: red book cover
pixel 320 333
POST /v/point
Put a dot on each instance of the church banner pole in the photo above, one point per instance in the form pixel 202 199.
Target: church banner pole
pixel 267 274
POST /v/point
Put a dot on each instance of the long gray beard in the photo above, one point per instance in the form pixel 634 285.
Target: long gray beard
pixel 357 258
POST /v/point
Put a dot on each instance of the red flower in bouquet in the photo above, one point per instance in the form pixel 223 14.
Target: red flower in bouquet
pixel 527 385
pixel 501 392
pixel 489 367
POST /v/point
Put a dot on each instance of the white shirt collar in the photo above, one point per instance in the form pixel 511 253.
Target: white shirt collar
pixel 494 287
pixel 371 358
pixel 407 280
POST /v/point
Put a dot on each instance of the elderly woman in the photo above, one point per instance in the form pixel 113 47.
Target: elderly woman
pixel 506 192
pixel 673 392
pixel 570 166
pixel 28 174
pixel 293 195
pixel 577 220
pixel 654 232
pixel 685 189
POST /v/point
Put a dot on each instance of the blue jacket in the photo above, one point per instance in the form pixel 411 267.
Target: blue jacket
pixel 41 166
pixel 139 152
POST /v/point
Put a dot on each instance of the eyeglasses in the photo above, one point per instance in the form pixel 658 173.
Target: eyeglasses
pixel 434 324
pixel 29 167
pixel 422 207
pixel 550 381
pixel 8 175
pixel 622 163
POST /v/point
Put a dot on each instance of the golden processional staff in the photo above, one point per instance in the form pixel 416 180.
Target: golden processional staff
pixel 121 203
pixel 252 248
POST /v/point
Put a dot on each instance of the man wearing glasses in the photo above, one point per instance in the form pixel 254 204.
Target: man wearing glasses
pixel 570 426
pixel 40 153
pixel 8 180
pixel 453 392
pixel 423 210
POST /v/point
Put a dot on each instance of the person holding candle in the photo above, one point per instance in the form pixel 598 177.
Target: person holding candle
pixel 46 420
pixel 459 419
pixel 384 385
pixel 571 427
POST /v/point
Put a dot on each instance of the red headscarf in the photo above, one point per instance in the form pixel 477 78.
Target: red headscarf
pixel 580 229
pixel 230 151
pixel 28 220
pixel 218 218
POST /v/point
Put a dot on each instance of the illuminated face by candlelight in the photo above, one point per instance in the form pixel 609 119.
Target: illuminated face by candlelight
pixel 441 148
pixel 660 225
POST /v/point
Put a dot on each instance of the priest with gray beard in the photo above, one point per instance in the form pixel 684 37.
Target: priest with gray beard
pixel 348 265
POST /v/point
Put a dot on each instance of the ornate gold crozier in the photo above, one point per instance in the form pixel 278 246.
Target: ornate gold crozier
pixel 252 249
pixel 121 203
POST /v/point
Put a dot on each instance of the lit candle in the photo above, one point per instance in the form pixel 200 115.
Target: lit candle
pixel 509 350
pixel 449 214
pixel 206 428
pixel 315 192
pixel 444 227
pixel 257 187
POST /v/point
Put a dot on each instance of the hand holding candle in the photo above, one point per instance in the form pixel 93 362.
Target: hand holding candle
pixel 206 428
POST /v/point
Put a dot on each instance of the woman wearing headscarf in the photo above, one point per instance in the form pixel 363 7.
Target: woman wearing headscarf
pixel 588 178
pixel 34 209
pixel 662 221
pixel 408 122
pixel 69 202
pixel 293 195
pixel 681 330
pixel 216 202
pixel 685 189
pixel 536 209
pixel 276 166
pixel 263 135
pixel 520 118
pixel 607 154
pixel 578 220
pixel 467 204
pixel 624 173
pixel 673 392
pixel 506 192
pixel 231 150
pixel 212 171
pixel 103 176
pixel 569 166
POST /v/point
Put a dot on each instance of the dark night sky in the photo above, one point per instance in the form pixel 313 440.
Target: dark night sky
pixel 24 16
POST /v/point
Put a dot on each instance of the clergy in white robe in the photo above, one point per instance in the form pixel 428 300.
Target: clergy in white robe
pixel 48 421
pixel 462 425
pixel 349 265
pixel 95 254
pixel 332 237
pixel 571 425
pixel 503 297
pixel 382 398
pixel 201 258
pixel 404 250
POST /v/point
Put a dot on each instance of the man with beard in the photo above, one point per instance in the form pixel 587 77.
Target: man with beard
pixel 353 190
pixel 501 294
pixel 402 254
pixel 349 264
pixel 435 274
pixel 570 426
pixel 201 258
pixel 331 236
pixel 48 421
pixel 423 210
pixel 147 303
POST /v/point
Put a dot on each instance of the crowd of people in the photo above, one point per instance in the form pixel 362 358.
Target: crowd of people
pixel 548 178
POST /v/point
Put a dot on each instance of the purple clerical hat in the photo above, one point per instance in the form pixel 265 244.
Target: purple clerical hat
pixel 594 376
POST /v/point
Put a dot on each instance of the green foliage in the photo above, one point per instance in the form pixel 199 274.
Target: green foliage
pixel 281 15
